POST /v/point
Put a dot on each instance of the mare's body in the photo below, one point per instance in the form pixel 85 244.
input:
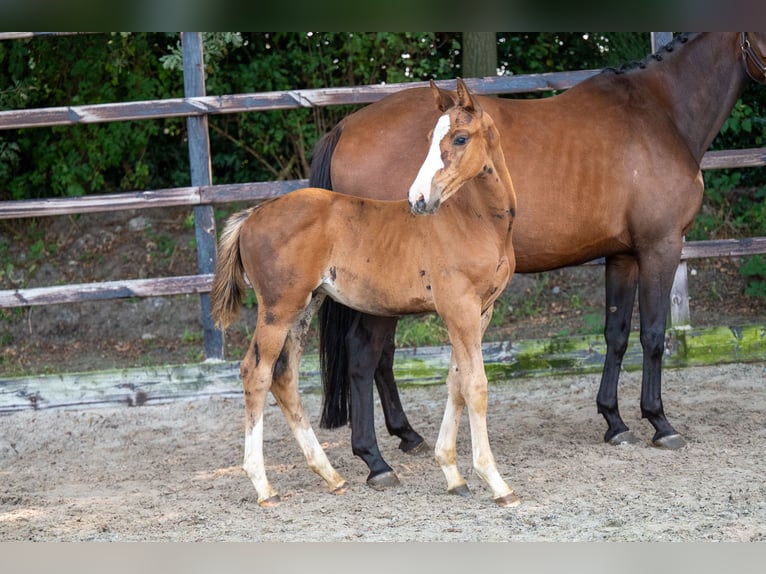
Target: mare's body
pixel 610 168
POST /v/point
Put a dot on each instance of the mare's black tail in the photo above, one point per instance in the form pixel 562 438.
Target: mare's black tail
pixel 334 319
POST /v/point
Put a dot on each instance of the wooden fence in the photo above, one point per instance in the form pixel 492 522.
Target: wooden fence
pixel 196 106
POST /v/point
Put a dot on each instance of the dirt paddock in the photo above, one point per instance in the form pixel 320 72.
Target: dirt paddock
pixel 172 472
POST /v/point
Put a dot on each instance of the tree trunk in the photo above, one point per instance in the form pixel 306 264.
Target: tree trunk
pixel 479 54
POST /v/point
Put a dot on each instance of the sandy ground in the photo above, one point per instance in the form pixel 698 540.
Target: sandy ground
pixel 172 472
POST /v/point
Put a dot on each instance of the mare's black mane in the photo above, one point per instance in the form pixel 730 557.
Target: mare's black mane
pixel 657 56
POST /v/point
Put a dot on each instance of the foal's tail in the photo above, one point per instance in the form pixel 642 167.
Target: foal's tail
pixel 334 319
pixel 229 282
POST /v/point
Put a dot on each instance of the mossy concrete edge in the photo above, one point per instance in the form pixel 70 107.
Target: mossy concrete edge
pixel 504 361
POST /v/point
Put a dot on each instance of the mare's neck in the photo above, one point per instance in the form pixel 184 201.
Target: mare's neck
pixel 703 79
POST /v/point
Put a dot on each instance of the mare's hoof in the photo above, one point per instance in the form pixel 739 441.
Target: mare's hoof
pixel 625 437
pixel 340 489
pixel 421 448
pixel 270 502
pixel 383 480
pixel 670 442
pixel 508 500
pixel 461 490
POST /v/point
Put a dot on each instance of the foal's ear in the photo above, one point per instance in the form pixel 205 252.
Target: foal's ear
pixel 444 99
pixel 465 100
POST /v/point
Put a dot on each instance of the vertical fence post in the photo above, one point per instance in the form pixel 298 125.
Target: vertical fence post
pixel 201 174
pixel 659 39
pixel 680 315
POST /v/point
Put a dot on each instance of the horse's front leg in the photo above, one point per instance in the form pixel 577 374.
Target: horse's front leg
pixel 657 270
pixel 475 393
pixel 445 450
pixel 467 373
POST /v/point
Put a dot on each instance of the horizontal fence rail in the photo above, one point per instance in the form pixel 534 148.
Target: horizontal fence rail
pixel 256 191
pixel 264 101
pixel 164 286
pixel 202 195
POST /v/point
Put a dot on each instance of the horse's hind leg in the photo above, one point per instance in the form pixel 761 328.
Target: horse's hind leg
pixel 369 342
pixel 285 391
pixel 256 370
pixel 364 346
pixel 621 281
pixel 396 420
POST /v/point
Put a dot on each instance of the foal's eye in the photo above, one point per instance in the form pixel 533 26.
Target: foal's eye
pixel 460 140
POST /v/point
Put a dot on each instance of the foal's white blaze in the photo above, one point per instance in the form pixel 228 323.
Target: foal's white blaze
pixel 421 187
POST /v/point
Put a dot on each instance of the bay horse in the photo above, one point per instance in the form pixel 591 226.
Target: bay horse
pixel 430 253
pixel 609 168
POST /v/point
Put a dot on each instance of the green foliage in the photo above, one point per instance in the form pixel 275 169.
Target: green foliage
pixel 541 52
pixel 425 331
pixel 277 144
pixel 128 156
pixel 734 204
pixel 77 160
pixel 754 270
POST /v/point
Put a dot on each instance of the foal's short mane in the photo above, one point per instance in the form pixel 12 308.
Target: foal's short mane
pixel 656 57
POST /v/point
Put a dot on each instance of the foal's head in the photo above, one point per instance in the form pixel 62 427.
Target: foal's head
pixel 460 149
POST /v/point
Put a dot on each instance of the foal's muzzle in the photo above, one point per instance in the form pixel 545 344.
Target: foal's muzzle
pixel 421 208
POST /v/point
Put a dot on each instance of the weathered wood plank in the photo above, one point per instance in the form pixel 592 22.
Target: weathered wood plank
pixel 659 39
pixel 25 35
pixel 735 158
pixel 249 192
pixel 261 101
pixel 78 293
pixel 680 315
pixel 201 283
pixel 724 248
pixel 254 191
pixel 127 387
pixel 201 175
pixel 180 196
pixel 99 203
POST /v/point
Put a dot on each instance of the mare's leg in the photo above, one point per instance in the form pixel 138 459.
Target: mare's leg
pixel 364 345
pixel 370 342
pixel 285 391
pixel 467 373
pixel 657 270
pixel 621 282
pixel 393 411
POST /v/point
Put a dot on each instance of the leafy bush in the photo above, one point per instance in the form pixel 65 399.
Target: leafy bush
pixel 734 203
pixel 152 154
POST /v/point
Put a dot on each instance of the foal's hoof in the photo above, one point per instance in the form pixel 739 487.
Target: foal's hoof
pixel 461 490
pixel 421 448
pixel 340 489
pixel 670 442
pixel 270 502
pixel 508 500
pixel 625 437
pixel 383 480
